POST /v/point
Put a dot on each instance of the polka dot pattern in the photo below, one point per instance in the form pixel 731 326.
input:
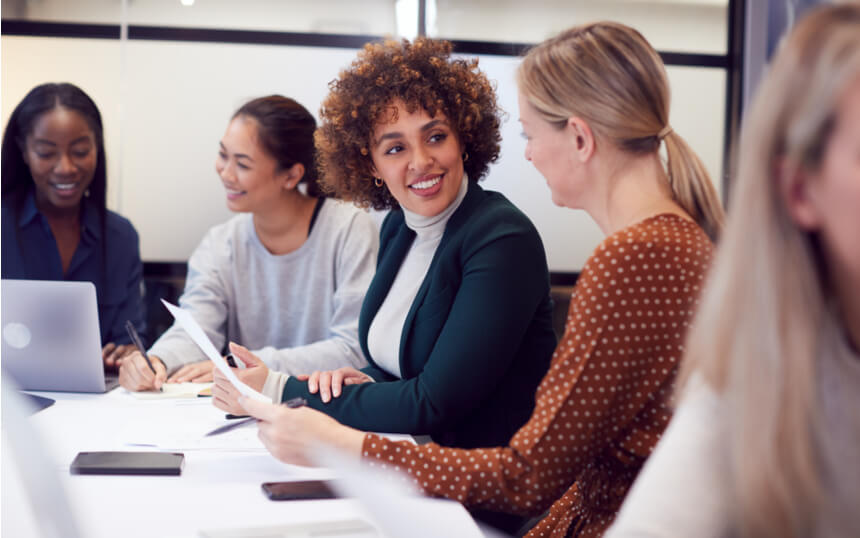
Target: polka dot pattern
pixel 602 405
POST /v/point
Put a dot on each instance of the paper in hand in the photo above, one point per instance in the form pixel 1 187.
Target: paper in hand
pixel 186 321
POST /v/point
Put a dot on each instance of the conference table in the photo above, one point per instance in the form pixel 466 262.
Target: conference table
pixel 218 492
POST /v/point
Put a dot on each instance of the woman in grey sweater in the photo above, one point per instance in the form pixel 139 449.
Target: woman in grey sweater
pixel 287 275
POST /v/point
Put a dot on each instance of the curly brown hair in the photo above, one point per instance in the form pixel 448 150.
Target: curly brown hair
pixel 421 74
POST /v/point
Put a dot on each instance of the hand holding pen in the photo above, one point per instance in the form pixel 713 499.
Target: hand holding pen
pixel 292 435
pixel 133 375
pixel 291 403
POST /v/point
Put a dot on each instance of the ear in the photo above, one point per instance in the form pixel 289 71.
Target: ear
pixel 581 137
pixel 796 189
pixel 292 175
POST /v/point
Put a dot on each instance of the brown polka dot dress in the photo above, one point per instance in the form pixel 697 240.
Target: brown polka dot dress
pixel 602 405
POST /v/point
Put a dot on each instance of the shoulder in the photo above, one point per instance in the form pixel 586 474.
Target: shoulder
pixel 344 217
pixel 221 240
pixel 119 227
pixel 666 245
pixel 489 216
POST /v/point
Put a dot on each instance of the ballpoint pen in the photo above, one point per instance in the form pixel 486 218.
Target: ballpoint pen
pixel 292 403
pixel 135 338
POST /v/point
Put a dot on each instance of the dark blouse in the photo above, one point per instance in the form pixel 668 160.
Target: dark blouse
pixel 109 258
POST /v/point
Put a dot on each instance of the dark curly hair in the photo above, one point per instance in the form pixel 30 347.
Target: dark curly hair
pixel 421 74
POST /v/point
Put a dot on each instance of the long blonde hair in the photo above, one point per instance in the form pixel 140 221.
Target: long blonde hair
pixel 755 338
pixel 607 74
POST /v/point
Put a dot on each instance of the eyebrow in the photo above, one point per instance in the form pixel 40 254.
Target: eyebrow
pixel 52 143
pixel 426 127
pixel 238 155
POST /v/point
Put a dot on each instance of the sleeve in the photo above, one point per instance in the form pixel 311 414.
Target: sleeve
pixel 131 307
pixel 579 413
pixel 504 279
pixel 206 296
pixel 683 488
pixel 354 269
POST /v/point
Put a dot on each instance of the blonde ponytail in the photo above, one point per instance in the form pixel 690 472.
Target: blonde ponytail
pixel 608 74
pixel 691 185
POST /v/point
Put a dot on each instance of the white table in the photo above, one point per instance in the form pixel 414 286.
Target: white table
pixel 218 488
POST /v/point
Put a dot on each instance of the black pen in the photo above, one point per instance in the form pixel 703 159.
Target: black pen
pixel 291 403
pixel 135 338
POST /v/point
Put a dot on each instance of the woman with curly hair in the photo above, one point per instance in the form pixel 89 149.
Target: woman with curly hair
pixel 456 324
pixel 594 106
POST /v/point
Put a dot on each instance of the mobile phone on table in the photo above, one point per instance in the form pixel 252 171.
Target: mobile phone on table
pixel 301 490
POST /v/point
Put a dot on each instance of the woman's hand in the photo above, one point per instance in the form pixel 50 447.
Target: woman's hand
pixel 330 383
pixel 291 434
pixel 135 374
pixel 196 372
pixel 224 394
pixel 113 354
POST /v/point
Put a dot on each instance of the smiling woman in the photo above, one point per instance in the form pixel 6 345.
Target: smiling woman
pixel 286 275
pixel 457 322
pixel 55 223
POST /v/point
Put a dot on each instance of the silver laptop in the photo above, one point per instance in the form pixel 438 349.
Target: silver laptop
pixel 51 338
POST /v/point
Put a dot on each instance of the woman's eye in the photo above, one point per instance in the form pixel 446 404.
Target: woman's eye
pixel 438 137
pixel 394 149
pixel 525 136
pixel 243 166
pixel 81 153
pixel 45 155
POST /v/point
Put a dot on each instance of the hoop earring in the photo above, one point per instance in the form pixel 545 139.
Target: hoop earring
pixel 465 156
pixel 377 181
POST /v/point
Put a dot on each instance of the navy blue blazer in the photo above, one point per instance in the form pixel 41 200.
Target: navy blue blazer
pixel 477 339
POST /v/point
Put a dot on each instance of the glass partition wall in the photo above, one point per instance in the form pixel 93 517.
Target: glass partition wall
pixel 168 74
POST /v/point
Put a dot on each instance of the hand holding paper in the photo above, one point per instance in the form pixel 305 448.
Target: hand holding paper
pixel 186 321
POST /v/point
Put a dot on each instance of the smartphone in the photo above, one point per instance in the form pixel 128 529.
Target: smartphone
pixel 302 490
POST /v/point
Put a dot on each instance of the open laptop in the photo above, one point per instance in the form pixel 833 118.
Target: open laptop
pixel 50 336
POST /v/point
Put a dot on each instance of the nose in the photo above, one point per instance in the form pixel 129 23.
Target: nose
pixel 421 159
pixel 528 152
pixel 224 170
pixel 64 164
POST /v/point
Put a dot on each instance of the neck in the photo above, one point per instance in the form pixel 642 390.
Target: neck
pixel 630 189
pixel 848 293
pixel 282 226
pixel 53 213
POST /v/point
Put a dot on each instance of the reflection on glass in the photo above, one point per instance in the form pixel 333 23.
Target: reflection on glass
pixel 699 26
pixel 375 17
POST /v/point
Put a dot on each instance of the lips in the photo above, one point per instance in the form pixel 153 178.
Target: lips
pixel 66 188
pixel 232 194
pixel 428 185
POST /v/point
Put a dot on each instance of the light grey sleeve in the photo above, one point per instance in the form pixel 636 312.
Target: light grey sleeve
pixel 683 489
pixel 354 268
pixel 206 296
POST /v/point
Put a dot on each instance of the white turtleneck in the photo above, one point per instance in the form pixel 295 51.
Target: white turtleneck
pixel 383 337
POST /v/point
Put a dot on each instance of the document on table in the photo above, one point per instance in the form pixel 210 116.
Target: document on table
pixel 173 390
pixel 186 321
pixel 188 433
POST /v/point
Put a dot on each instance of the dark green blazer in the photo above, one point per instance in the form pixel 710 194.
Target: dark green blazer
pixel 477 339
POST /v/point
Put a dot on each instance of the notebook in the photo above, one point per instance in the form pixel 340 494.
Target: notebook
pixel 50 336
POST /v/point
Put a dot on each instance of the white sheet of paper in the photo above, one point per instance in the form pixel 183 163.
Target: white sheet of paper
pixel 186 321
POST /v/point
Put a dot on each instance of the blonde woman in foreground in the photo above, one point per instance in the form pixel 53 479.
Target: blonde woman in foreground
pixel 594 106
pixel 766 440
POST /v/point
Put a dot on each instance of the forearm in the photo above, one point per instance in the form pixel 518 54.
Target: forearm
pixel 176 349
pixel 499 479
pixel 329 354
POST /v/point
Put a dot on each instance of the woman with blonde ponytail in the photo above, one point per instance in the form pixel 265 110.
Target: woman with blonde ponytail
pixel 766 439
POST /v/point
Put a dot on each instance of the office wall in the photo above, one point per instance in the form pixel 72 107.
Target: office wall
pixel 166 105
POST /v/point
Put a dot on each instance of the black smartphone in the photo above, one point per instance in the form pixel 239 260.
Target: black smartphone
pixel 128 463
pixel 302 490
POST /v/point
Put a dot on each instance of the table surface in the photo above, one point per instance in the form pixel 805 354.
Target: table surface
pixel 219 487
